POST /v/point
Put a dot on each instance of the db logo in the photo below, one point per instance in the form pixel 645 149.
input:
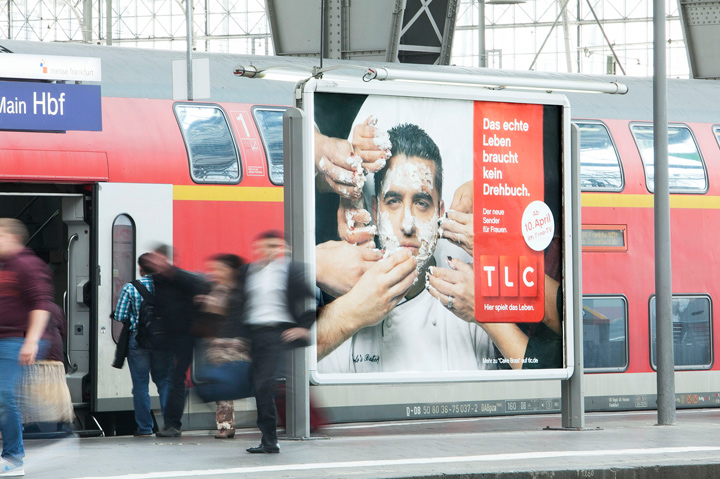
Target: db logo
pixel 508 276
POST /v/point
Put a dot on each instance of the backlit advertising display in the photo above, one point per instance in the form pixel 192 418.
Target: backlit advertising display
pixel 439 230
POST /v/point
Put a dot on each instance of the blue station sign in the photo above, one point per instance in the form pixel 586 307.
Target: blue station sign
pixel 34 106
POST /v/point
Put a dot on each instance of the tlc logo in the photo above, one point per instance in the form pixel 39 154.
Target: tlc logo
pixel 508 276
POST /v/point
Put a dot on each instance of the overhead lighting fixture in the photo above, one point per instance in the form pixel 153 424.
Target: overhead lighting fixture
pixel 296 73
pixel 545 84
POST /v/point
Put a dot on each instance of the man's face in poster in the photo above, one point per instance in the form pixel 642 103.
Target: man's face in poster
pixel 408 206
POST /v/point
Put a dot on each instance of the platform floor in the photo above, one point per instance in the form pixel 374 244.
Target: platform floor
pixel 618 445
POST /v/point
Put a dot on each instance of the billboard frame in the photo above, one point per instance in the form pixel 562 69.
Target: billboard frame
pixel 304 96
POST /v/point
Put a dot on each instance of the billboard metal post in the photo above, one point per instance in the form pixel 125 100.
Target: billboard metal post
pixel 572 390
pixel 297 384
pixel 663 265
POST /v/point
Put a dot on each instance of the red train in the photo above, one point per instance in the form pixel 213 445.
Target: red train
pixel 159 171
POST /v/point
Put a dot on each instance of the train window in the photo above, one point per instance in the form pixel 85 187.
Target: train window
pixel 605 345
pixel 123 261
pixel 214 156
pixel 692 332
pixel 270 124
pixel 599 161
pixel 687 171
pixel 716 130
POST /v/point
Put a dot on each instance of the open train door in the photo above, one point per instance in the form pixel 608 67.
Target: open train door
pixel 130 219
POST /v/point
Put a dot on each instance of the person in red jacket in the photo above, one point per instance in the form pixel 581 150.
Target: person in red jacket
pixel 26 296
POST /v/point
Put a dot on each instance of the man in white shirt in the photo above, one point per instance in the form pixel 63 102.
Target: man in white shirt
pixel 388 321
pixel 274 310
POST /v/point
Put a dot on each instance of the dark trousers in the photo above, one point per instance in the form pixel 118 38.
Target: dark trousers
pixel 183 352
pixel 268 352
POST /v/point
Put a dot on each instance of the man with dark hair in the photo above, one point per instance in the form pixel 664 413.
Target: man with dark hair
pixel 26 294
pixel 276 313
pixel 143 363
pixel 175 290
pixel 412 141
pixel 388 316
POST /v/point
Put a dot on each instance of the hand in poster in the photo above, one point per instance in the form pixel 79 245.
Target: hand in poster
pixel 354 223
pixel 456 282
pixel 382 287
pixel 377 292
pixel 371 144
pixel 338 168
pixel 337 280
pixel 463 198
pixel 457 226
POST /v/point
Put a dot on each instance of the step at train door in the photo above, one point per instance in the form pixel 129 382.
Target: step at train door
pixel 131 219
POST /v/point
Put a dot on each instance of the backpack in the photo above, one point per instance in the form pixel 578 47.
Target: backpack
pixel 150 332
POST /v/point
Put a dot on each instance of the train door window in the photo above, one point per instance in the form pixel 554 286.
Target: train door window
pixel 213 153
pixel 605 345
pixel 692 332
pixel 123 261
pixel 270 124
pixel 600 167
pixel 687 170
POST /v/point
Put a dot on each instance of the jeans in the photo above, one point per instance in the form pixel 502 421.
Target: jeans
pixel 146 363
pixel 10 417
pixel 183 355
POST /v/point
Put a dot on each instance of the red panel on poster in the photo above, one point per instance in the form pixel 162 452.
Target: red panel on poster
pixel 512 223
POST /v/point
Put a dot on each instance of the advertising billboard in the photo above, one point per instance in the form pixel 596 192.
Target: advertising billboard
pixel 441 251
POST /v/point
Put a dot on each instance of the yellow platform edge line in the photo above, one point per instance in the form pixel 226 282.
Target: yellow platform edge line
pixel 619 200
pixel 227 193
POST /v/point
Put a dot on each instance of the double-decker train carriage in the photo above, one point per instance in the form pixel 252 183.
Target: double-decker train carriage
pixel 207 175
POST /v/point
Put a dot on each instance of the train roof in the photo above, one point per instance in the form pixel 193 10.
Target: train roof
pixel 144 73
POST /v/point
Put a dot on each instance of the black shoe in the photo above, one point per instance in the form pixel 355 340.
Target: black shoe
pixel 263 449
pixel 169 431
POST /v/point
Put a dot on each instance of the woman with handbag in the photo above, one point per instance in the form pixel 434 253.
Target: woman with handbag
pixel 223 341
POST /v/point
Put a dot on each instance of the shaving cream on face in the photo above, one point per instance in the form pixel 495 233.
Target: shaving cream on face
pixel 409 176
pixel 427 234
pixel 388 239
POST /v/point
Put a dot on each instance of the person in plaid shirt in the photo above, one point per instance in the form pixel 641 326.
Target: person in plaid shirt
pixel 143 363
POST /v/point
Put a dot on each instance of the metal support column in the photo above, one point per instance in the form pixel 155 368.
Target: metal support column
pixel 482 54
pixel 87 21
pixel 297 206
pixel 108 23
pixel 573 389
pixel 663 265
pixel 189 26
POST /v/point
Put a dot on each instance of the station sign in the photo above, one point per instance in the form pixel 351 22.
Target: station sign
pixel 34 106
pixel 48 67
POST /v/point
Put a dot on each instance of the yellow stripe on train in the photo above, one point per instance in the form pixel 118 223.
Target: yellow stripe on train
pixel 619 200
pixel 226 193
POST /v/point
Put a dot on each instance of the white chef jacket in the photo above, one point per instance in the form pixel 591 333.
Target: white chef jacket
pixel 418 335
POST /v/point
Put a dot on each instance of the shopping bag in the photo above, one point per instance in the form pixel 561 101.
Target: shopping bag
pixel 45 397
pixel 224 381
pixel 222 370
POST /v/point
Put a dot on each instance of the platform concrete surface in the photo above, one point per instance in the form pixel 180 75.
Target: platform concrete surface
pixel 613 445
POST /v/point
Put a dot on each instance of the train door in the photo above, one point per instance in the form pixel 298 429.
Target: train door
pixel 131 219
pixel 59 234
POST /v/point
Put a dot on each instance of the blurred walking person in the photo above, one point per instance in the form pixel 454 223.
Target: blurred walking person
pixel 143 363
pixel 221 330
pixel 26 295
pixel 176 310
pixel 276 317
